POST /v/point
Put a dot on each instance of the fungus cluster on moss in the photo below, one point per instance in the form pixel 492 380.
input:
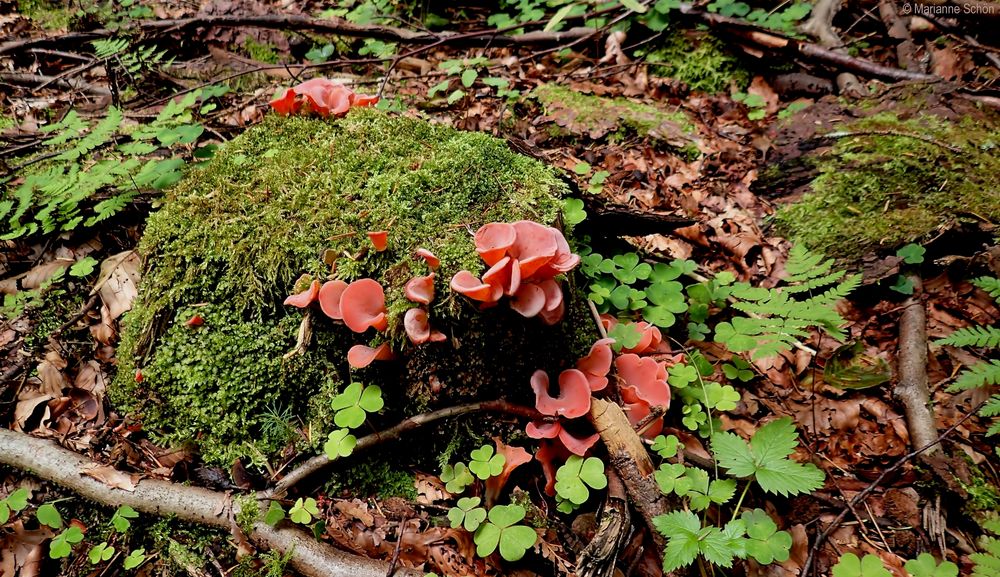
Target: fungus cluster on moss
pixel 297 195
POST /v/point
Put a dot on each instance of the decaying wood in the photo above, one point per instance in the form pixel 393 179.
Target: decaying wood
pixel 912 386
pixel 63 467
pixel 613 528
pixel 896 26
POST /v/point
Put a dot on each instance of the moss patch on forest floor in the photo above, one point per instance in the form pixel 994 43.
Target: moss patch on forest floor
pixel 699 60
pixel 231 239
pixel 895 174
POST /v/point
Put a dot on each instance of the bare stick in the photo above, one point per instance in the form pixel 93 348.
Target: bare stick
pixel 63 467
pixel 820 26
pixel 912 388
pixel 320 462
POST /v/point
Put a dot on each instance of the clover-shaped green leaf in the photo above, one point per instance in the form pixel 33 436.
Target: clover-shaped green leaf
pixel 903 285
pixel 100 552
pixel 339 443
pixel 485 464
pixel 704 492
pixel 456 477
pixel 467 514
pixel 352 404
pixel 850 566
pixel 597 181
pixel 911 253
pixel 630 269
pixel 120 520
pixel 737 370
pixel 927 566
pixel 576 474
pixel 626 335
pixel 670 478
pixel 681 375
pixel 573 211
pixel 626 298
pixel 502 531
pixel 135 558
pixel 62 544
pixel 662 272
pixel 4 512
pixel 303 511
pixel 720 397
pixel 17 500
pixel 275 513
pixel 665 446
pixel 48 515
pixel 764 542
pixel 697 331
pixel 693 416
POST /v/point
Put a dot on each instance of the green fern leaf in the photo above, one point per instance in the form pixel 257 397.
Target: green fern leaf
pixel 977 375
pixel 978 336
pixel 988 284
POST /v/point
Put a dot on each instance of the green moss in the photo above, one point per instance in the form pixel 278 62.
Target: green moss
pixel 579 112
pixel 249 512
pixel 374 476
pixel 261 52
pixel 48 15
pixel 230 240
pixel 699 60
pixel 983 496
pixel 879 188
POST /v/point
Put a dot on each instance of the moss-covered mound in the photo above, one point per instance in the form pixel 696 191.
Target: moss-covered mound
pixel 295 196
pixel 903 170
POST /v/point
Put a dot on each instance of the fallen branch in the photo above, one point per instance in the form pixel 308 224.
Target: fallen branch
pixel 337 26
pixel 820 26
pixel 912 387
pixel 320 462
pixel 37 81
pixel 63 467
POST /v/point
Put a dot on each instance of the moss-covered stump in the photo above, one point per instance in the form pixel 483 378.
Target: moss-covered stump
pixel 295 196
pixel 871 176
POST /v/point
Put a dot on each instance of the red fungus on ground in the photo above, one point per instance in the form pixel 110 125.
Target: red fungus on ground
pixel 438 336
pixel 432 261
pixel 643 378
pixel 329 298
pixel 597 364
pixel 529 300
pixel 493 239
pixel 649 340
pixel 362 305
pixel 417 326
pixel 320 96
pixel 574 394
pixel 360 356
pixel 548 454
pixel 194 322
pixel 380 239
pixel 466 283
pixel 420 289
pixel 534 246
pixel 306 297
pixel 556 430
pixel 514 457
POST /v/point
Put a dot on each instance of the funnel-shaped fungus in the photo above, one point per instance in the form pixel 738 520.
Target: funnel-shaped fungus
pixel 432 261
pixel 553 294
pixel 306 297
pixel 360 356
pixel 637 413
pixel 380 239
pixel 596 364
pixel 492 241
pixel 556 430
pixel 329 298
pixel 363 306
pixel 574 394
pixel 514 457
pixel 529 300
pixel 504 277
pixel 649 339
pixel 552 317
pixel 420 289
pixel 320 96
pixel 466 283
pixel 417 326
pixel 534 246
pixel 563 261
pixel 644 379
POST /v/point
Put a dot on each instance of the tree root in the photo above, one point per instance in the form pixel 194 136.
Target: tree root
pixel 309 557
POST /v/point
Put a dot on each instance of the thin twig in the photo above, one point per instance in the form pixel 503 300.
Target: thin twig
pixel 822 537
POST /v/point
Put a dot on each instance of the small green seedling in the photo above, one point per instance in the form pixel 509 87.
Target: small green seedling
pixel 468 514
pixel 354 403
pixel 764 542
pixel 62 543
pixel 666 446
pixel 573 478
pixel 850 565
pixel 340 443
pixel 15 502
pixel 275 514
pixel 485 464
pixel 456 478
pixel 48 515
pixel 765 459
pixel 120 520
pixel 303 511
pixel 100 552
pixel 926 565
pixel 134 559
pixel 502 530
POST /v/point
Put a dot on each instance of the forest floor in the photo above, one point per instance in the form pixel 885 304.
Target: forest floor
pixel 860 131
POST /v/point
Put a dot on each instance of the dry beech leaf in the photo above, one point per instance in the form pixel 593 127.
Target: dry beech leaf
pixel 50 372
pixel 104 331
pixel 118 283
pixel 21 551
pixel 112 477
pixel 29 413
pixel 34 277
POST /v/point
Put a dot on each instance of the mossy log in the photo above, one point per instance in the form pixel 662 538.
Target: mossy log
pixel 870 176
pixel 295 196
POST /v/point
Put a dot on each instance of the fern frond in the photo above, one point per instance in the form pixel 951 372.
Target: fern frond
pixel 978 336
pixel 977 375
pixel 803 265
pixel 992 407
pixel 988 284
